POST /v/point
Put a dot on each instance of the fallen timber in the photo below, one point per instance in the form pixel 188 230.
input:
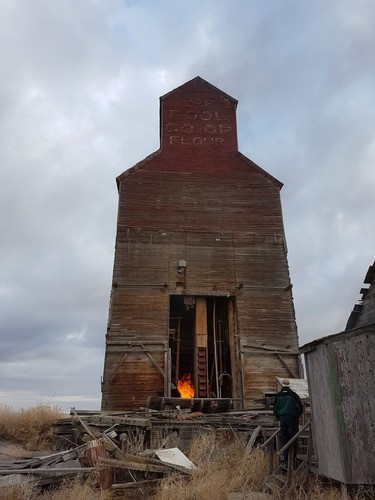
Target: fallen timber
pixel 153 429
pixel 125 449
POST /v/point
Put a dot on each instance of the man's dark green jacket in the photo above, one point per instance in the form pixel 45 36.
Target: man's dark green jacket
pixel 287 402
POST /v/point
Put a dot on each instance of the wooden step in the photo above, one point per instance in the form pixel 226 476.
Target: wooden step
pixel 276 481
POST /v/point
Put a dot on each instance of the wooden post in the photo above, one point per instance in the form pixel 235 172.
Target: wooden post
pixel 271 448
pixel 218 389
pixel 290 461
pixel 178 341
pixel 237 388
pixel 96 450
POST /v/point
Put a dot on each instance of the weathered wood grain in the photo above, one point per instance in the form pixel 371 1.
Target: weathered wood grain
pixel 200 201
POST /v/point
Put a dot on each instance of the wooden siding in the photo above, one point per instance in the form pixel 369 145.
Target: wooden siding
pixel 131 369
pixel 232 197
pixel 207 205
pixel 363 312
pixel 342 388
pixel 260 369
pixel 327 439
pixel 139 311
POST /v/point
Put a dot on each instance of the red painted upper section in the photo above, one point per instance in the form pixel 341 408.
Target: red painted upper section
pixel 198 132
pixel 198 118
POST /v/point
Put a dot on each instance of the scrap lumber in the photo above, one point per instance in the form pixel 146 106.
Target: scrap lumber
pixel 122 464
pixel 137 484
pixel 48 471
pixel 254 435
pixel 109 420
pixel 96 450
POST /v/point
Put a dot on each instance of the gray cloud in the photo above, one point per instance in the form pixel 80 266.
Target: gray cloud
pixel 79 90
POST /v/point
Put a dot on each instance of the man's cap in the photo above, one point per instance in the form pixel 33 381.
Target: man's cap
pixel 285 381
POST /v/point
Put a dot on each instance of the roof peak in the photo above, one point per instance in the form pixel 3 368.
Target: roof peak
pixel 199 81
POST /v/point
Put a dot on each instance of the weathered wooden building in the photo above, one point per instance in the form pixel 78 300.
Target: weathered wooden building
pixel 201 283
pixel 363 312
pixel 340 374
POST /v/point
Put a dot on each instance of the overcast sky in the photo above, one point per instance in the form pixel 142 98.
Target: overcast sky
pixel 80 82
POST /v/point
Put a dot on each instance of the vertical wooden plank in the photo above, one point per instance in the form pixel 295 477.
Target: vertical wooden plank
pixel 242 368
pixel 200 322
pixel 234 354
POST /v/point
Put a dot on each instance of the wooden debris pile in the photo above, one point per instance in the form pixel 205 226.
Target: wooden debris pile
pixel 170 426
pixel 99 455
pixel 42 470
pixel 130 450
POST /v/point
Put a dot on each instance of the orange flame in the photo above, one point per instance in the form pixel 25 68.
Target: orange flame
pixel 185 387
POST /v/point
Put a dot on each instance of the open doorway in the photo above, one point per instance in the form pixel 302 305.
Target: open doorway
pixel 200 343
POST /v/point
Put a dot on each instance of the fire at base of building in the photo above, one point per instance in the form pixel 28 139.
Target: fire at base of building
pixel 201 283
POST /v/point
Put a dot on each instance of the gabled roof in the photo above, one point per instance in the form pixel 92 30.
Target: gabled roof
pixel 198 81
pixel 138 165
pixel 156 153
pixel 310 346
pixel 260 170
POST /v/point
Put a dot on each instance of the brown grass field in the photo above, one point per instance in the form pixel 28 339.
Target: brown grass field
pixel 221 467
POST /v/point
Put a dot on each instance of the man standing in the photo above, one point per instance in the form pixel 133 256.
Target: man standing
pixel 287 409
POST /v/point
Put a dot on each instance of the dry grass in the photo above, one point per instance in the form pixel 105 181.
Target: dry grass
pixel 77 490
pixel 224 468
pixel 24 491
pixel 32 427
pixel 221 468
pixel 69 490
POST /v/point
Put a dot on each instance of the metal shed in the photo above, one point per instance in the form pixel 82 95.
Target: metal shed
pixel 340 374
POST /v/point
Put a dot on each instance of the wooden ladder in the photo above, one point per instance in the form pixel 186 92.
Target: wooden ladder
pixel 202 372
pixel 279 476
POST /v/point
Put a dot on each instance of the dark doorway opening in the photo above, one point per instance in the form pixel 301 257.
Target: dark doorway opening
pixel 200 334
